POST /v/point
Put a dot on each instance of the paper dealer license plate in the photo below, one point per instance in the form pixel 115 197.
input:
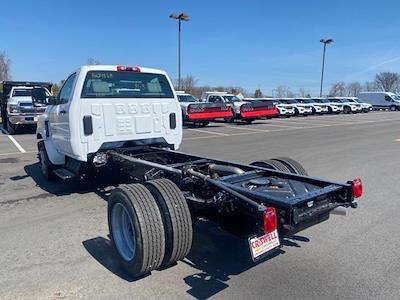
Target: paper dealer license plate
pixel 263 244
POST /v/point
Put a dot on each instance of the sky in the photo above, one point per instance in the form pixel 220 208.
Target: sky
pixel 252 44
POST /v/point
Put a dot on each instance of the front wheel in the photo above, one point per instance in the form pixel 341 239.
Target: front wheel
pixel 12 128
pixel 393 108
pixel 347 110
pixel 46 166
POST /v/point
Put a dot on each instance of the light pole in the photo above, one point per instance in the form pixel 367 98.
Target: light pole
pixel 180 17
pixel 325 42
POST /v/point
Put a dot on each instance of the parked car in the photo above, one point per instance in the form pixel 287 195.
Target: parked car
pixel 242 110
pixel 317 108
pixel 381 100
pixel 348 106
pixel 333 107
pixel 16 104
pixel 365 107
pixel 299 108
pixel 198 113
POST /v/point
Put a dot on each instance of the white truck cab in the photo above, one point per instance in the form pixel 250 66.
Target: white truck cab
pixel 381 100
pixel 105 106
pixel 18 108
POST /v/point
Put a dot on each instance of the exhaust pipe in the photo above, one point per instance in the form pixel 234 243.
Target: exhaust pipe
pixel 223 170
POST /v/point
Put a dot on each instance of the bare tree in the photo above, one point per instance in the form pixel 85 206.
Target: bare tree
pixel 387 81
pixel 92 61
pixel 303 93
pixel 338 89
pixel 283 92
pixel 353 88
pixel 5 66
pixel 188 83
pixel 258 93
pixel 370 86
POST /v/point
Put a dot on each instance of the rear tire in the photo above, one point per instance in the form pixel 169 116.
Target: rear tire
pixel 204 123
pixel 249 121
pixel 136 229
pixel 294 166
pixel 46 166
pixel 176 218
pixel 296 112
pixel 271 164
pixel 347 110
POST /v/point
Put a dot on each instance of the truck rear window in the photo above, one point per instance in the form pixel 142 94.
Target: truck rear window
pixel 114 84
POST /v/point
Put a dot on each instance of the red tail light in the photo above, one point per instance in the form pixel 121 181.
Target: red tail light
pixel 357 188
pixel 269 217
pixel 128 68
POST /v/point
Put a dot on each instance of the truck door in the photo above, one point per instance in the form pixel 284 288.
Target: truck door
pixel 58 116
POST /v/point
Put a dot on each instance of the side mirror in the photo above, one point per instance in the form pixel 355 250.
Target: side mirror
pixel 39 97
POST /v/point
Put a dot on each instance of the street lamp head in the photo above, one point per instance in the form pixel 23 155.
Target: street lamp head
pixel 327 41
pixel 181 16
pixel 184 17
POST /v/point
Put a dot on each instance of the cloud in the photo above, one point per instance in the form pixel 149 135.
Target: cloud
pixel 374 67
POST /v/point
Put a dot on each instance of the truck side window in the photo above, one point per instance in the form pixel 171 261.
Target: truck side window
pixel 388 98
pixel 66 91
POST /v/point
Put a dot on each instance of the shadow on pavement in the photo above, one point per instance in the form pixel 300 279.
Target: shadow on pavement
pixel 216 255
pixel 219 255
pixel 102 251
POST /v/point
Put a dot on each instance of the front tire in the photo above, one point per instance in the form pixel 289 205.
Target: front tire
pixel 393 108
pixel 347 110
pixel 12 128
pixel 46 166
pixel 136 229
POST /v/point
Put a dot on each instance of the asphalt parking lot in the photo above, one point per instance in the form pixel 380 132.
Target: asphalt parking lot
pixel 54 237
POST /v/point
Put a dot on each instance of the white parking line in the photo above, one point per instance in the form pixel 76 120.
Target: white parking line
pixel 209 132
pixel 250 129
pixel 19 147
pixel 282 126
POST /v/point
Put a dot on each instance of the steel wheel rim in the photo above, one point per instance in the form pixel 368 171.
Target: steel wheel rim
pixel 123 233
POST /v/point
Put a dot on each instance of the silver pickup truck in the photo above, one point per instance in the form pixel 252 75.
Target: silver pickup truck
pixel 16 106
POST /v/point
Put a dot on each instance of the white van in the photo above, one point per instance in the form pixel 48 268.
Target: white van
pixel 381 100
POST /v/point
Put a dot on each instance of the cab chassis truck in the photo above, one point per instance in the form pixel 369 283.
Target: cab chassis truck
pixel 151 217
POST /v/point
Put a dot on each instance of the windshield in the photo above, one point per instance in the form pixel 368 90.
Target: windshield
pixel 307 101
pixel 22 92
pixel 186 98
pixel 396 97
pixel 291 101
pixel 231 98
pixel 114 84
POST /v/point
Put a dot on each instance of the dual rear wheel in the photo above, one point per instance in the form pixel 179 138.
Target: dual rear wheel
pixel 284 164
pixel 150 225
